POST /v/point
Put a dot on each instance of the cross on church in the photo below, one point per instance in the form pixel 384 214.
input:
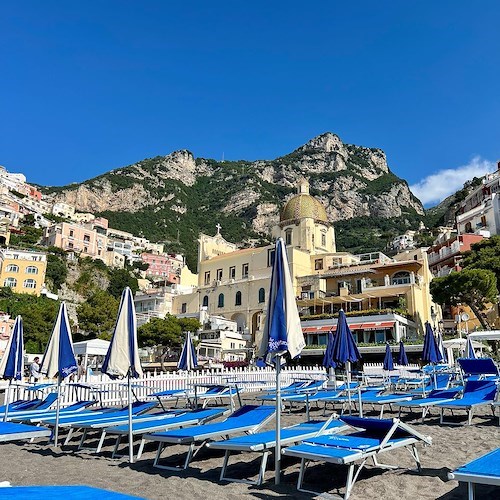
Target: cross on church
pixel 219 227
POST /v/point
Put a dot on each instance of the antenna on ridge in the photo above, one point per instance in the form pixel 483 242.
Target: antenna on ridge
pixel 223 156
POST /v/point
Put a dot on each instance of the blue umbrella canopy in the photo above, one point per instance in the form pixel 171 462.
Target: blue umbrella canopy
pixel 282 329
pixel 187 360
pixel 59 358
pixel 402 357
pixel 122 358
pixel 344 347
pixel 11 366
pixel 430 350
pixel 388 361
pixel 469 349
pixel 328 357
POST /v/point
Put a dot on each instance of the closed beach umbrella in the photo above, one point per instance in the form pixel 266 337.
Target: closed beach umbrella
pixel 388 361
pixel 11 366
pixel 402 357
pixel 430 350
pixel 442 350
pixel 469 349
pixel 345 350
pixel 282 331
pixel 122 358
pixel 328 357
pixel 187 360
pixel 59 358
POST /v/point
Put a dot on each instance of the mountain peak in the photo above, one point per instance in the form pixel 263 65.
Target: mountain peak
pixel 327 142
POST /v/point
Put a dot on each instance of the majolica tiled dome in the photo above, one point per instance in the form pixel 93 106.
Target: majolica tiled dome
pixel 302 206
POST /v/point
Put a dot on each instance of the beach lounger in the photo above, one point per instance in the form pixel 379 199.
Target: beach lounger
pixel 247 419
pixel 428 402
pixel 169 421
pixel 216 393
pixel 21 404
pixel 76 492
pixel 10 431
pixel 482 470
pixel 372 438
pixel 384 399
pixel 476 393
pixel 173 395
pixel 265 443
pixel 47 402
pixel 36 415
pixel 478 368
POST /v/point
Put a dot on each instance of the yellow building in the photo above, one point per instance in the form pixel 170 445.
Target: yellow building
pixel 23 270
pixel 234 283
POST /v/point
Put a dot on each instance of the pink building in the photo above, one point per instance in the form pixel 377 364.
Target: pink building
pixel 164 266
pixel 80 238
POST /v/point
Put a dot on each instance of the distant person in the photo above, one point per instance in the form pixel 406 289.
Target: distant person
pixel 35 370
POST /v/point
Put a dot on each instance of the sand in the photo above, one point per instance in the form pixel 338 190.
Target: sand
pixel 38 463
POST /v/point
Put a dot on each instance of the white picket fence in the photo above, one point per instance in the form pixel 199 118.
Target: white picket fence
pixel 114 392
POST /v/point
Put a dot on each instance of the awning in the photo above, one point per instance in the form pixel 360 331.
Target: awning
pixel 369 325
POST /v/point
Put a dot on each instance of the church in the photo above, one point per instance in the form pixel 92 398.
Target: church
pixel 385 298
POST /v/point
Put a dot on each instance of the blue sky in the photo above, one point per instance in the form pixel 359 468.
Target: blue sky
pixel 90 86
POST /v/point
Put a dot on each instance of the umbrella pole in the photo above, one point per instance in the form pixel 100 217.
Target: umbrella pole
pixel 277 453
pixel 348 376
pixel 7 398
pixel 130 438
pixel 58 408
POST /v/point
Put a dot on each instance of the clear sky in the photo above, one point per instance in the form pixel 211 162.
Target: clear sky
pixel 86 87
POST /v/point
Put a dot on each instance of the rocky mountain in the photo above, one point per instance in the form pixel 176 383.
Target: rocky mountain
pixel 172 198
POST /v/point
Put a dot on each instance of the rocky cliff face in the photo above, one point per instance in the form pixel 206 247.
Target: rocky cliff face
pixel 351 181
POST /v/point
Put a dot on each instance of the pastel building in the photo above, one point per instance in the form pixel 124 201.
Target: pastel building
pixel 233 283
pixel 23 270
pixel 163 266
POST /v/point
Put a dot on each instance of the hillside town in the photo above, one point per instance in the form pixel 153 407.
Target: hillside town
pixel 385 295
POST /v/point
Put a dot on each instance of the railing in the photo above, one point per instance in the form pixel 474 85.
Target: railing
pixel 114 392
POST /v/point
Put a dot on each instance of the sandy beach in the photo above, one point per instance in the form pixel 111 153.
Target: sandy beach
pixel 40 464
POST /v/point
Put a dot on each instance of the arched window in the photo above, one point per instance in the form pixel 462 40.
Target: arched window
pixel 237 302
pixel 220 302
pixel 29 283
pixel 468 227
pixel 205 301
pixel 12 268
pixel 288 237
pixel 323 238
pixel 10 282
pixel 32 270
pixel 262 295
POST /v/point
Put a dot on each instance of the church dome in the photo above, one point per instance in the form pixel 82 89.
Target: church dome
pixel 302 206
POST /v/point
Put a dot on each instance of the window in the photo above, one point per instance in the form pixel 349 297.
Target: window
pixel 237 302
pixel 10 282
pixel 270 257
pixel 244 271
pixel 318 264
pixel 29 283
pixel 468 227
pixel 207 278
pixel 323 239
pixel 85 249
pixel 71 233
pixel 483 221
pixel 220 301
pixel 288 237
pixel 205 301
pixel 232 272
pixel 86 238
pixel 218 275
pixel 183 307
pixel 401 278
pixel 32 270
pixel 262 295
pixel 12 268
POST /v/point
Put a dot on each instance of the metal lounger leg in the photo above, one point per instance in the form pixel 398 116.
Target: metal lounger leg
pixel 141 448
pixel 158 453
pixel 260 478
pixel 82 440
pixel 117 444
pixel 101 442
pixel 470 491
pixel 69 436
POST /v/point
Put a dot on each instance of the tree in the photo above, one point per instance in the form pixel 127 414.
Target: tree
pixel 166 333
pixel 484 254
pixel 473 287
pixel 119 279
pixel 38 313
pixel 97 315
pixel 57 270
